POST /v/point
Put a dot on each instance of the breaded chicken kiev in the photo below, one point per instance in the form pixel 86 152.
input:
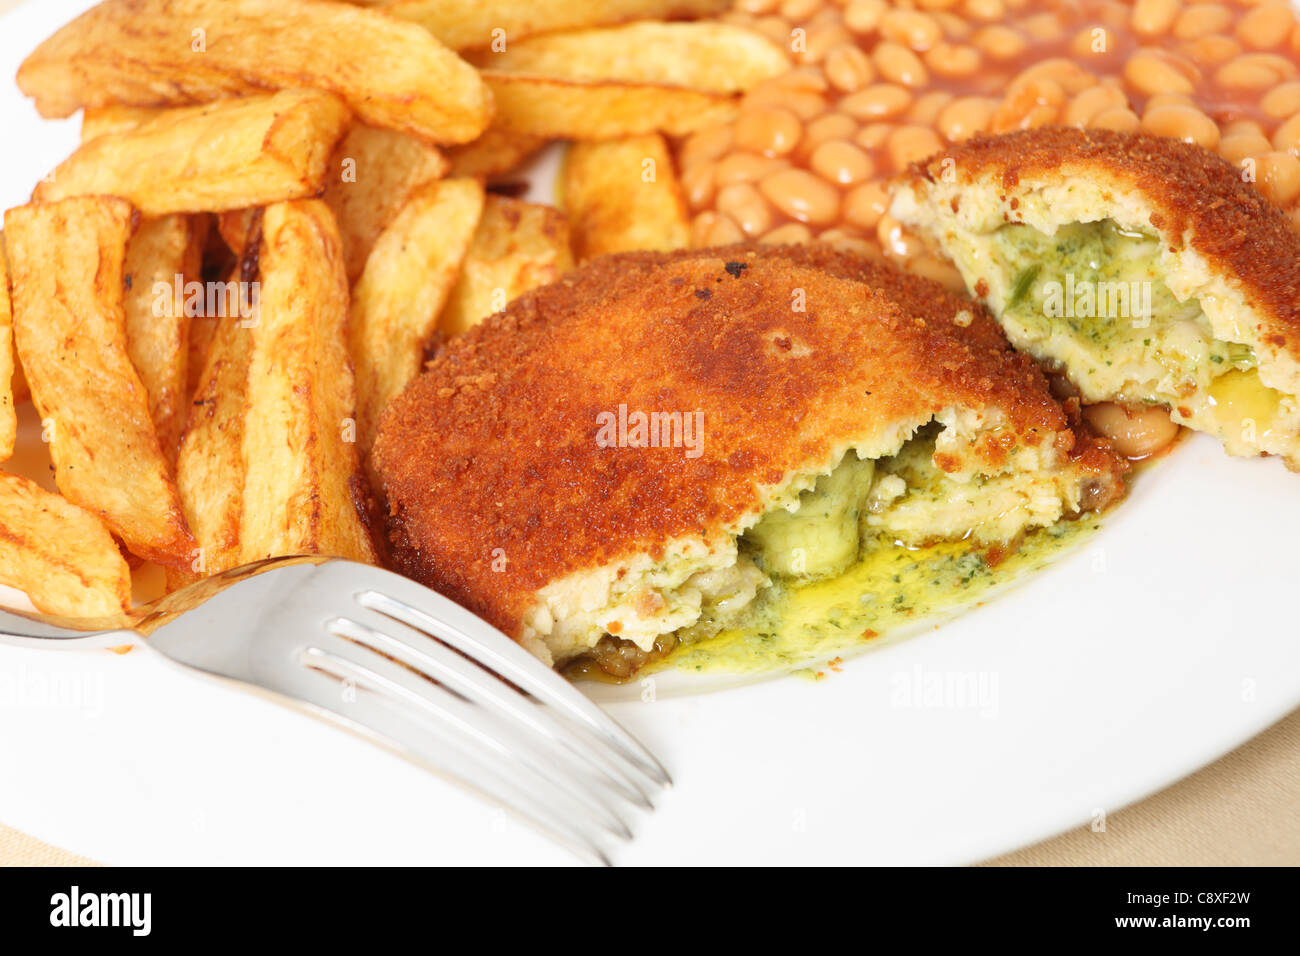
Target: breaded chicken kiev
pixel 1146 269
pixel 641 448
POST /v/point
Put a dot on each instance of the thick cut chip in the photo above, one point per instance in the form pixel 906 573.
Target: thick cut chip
pixel 649 409
pixel 162 261
pixel 408 277
pixel 115 119
pixel 372 174
pixel 302 488
pixel 8 414
pixel 226 155
pixel 61 556
pixel 464 24
pixel 497 151
pixel 68 269
pixel 623 195
pixel 1144 268
pixel 158 52
pixel 518 246
pixel 709 57
pixel 210 467
pixel 549 107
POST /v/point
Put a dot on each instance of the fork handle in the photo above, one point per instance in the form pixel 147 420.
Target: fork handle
pixel 18 629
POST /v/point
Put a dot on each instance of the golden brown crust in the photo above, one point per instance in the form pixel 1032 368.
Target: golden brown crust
pixel 1195 196
pixel 494 446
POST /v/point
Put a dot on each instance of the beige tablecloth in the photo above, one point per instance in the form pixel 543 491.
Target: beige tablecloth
pixel 1239 811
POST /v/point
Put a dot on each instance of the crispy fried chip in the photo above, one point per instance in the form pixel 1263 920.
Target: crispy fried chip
pixel 157 52
pixel 372 174
pixel 408 277
pixel 225 155
pixel 622 195
pixel 115 118
pixel 497 151
pixel 707 57
pixel 517 246
pixel 61 556
pixel 8 416
pixel 210 467
pixel 68 266
pixel 302 491
pixel 162 258
pixel 463 24
pixel 554 108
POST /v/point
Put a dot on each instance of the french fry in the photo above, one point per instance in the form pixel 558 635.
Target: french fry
pixel 302 490
pixel 210 467
pixel 622 195
pixel 115 119
pixel 463 24
pixel 553 108
pixel 707 57
pixel 392 73
pixel 161 259
pixel 372 174
pixel 61 556
pixel 406 282
pixel 497 151
pixel 517 246
pixel 210 158
pixel 8 413
pixel 68 266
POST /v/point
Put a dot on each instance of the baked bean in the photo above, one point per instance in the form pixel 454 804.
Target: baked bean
pixel 1070 76
pixel 1090 41
pixel 1267 26
pixel 1282 101
pixel 963 118
pixel 1242 126
pixel 1090 102
pixel 1153 17
pixel 825 128
pixel 705 145
pixel 907 144
pixel 848 68
pixel 1253 71
pixel 937 4
pixel 1150 72
pixel 774 28
pixel 954 27
pixel 820 41
pixel 1201 20
pixel 847 242
pixel 999 42
pixel 791 234
pixel 745 168
pixel 926 109
pixel 873 135
pixel 865 205
pixel 940 270
pixel 714 229
pixel 1119 119
pixel 951 59
pixel 1277 175
pixel 1286 138
pixel 841 162
pixel 991 11
pixel 877 101
pixel 1212 50
pixel 1241 145
pixel 799 10
pixel 1136 432
pixel 898 64
pixel 895 240
pixel 1168 99
pixel 746 207
pixel 772 132
pixel 756 6
pixel 802 196
pixel 864 16
pixel 698 183
pixel 911 28
pixel 1043 27
pixel 1181 122
pixel 1028 106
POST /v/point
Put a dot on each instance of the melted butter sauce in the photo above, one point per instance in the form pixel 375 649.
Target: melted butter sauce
pixel 890 588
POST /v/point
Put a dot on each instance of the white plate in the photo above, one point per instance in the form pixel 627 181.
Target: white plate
pixel 1166 641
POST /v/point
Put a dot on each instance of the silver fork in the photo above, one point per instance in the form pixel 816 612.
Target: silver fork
pixel 406 667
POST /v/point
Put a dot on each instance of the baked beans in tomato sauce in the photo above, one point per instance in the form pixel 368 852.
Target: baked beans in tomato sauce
pixel 876 84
